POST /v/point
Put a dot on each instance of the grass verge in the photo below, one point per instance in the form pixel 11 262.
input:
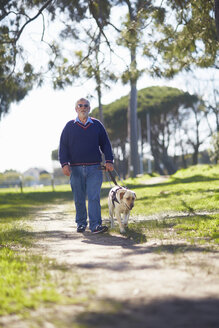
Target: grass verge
pixel 28 281
pixel 186 206
pixel 194 230
pixel 24 283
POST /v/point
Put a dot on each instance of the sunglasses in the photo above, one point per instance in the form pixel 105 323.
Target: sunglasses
pixel 83 105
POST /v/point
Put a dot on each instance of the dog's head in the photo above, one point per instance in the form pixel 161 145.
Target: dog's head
pixel 127 197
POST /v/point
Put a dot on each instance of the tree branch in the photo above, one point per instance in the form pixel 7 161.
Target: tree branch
pixel 96 17
pixel 31 19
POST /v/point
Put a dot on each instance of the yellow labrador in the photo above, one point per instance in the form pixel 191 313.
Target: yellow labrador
pixel 120 201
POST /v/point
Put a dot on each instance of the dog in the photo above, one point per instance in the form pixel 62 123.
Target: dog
pixel 120 200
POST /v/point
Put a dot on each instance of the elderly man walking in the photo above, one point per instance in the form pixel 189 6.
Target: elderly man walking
pixel 82 143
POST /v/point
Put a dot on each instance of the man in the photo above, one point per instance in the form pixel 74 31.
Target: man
pixel 82 141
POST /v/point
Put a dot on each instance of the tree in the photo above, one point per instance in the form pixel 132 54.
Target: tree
pixel 14 87
pixel 186 39
pixel 166 107
pixel 175 52
pixel 89 63
pixel 93 68
pixel 16 75
pixel 131 37
pixel 213 108
pixel 194 137
pixel 10 178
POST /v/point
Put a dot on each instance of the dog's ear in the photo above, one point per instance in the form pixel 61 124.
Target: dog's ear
pixel 121 194
pixel 135 195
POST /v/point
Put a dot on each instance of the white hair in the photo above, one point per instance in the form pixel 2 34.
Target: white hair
pixel 82 99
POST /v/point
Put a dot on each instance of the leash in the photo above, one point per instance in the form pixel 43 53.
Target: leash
pixel 112 178
pixel 103 167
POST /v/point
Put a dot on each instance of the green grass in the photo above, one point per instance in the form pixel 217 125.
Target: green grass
pixel 24 283
pixel 191 191
pixel 26 280
pixel 197 228
pixel 14 205
pixel 200 229
pixel 183 192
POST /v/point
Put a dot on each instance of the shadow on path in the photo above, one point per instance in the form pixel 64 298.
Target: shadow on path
pixel 164 313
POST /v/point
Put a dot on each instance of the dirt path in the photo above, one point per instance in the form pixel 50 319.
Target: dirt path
pixel 123 270
pixel 168 288
pixel 136 285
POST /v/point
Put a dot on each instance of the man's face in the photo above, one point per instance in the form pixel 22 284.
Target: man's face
pixel 83 108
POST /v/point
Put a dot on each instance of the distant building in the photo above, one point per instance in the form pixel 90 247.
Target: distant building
pixel 32 176
pixel 32 172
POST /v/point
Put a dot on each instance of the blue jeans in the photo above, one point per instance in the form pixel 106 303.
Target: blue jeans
pixel 87 181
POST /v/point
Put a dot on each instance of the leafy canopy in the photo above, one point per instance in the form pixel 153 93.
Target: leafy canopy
pixel 155 100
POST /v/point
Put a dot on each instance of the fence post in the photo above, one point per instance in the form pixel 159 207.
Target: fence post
pixel 21 183
pixel 149 141
pixel 52 182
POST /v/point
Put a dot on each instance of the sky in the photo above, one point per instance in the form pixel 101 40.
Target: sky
pixel 32 128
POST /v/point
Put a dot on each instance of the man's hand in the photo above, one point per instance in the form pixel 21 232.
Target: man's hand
pixel 66 170
pixel 109 167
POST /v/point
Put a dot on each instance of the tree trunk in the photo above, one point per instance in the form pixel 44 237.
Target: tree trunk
pixel 134 161
pixel 197 143
pixel 133 132
pixel 100 104
pixel 158 167
pixel 98 81
pixel 168 163
pixel 124 161
pixel 184 161
pixel 195 155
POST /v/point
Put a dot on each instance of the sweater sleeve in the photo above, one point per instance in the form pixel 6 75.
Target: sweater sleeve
pixel 105 145
pixel 63 148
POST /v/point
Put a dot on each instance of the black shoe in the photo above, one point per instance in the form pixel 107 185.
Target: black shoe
pixel 100 229
pixel 81 228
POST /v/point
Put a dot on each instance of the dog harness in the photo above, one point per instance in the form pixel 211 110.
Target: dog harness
pixel 114 198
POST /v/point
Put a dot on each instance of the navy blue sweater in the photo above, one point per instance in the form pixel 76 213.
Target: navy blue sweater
pixel 82 145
